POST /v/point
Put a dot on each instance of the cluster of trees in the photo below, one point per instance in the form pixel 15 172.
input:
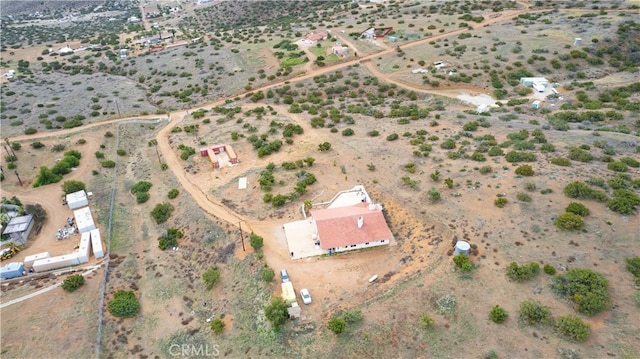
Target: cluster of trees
pixel 54 174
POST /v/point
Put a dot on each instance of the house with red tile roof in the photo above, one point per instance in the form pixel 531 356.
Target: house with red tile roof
pixel 314 38
pixel 351 227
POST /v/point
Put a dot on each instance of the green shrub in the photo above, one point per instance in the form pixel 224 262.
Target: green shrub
pixel 525 170
pixel 276 312
pixel 578 154
pixel 99 155
pixel 108 164
pixel 500 202
pixel 577 208
pixel 267 274
pixel 631 162
pixel 170 239
pixel 337 325
pixel 561 161
pixel 463 262
pixel 256 241
pixel 521 273
pixel 124 304
pixel 523 197
pixel 532 312
pixel 142 197
pixel 73 186
pixel 518 156
pixel 617 166
pixel 36 145
pixel 161 212
pixel 585 288
pixel 217 326
pixel 121 152
pixel 498 314
pixel 633 266
pixel 393 137
pixel 569 221
pixel 211 277
pixel 426 322
pixel 572 327
pixel 583 191
pixel 173 193
pixel 73 282
pixel 549 269
pixel 448 144
pixel 624 202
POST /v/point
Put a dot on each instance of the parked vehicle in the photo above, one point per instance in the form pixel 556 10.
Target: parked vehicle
pixel 306 297
pixel 284 275
pixel 9 252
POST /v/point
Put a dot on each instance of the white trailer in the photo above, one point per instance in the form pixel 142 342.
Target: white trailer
pixel 84 248
pixel 96 243
pixel 84 219
pixel 77 200
pixel 28 260
pixel 46 264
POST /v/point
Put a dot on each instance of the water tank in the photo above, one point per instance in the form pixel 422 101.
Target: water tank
pixel 462 247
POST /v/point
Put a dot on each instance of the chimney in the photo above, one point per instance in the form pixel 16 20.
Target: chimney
pixel 360 222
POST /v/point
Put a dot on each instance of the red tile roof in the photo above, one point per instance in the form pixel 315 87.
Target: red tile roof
pixel 316 37
pixel 338 227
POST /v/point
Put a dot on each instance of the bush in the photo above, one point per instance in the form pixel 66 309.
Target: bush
pixel 73 282
pixel 448 144
pixel 633 266
pixel 36 145
pixel 45 177
pixel 624 202
pixel 523 197
pixel 352 316
pixel 585 288
pixel 348 132
pixel 337 325
pixel 631 162
pixel 569 221
pixel 142 186
pixel 108 164
pixel 161 212
pixel 124 304
pixel 217 326
pixel 142 197
pixel 267 274
pixel 518 156
pixel 498 314
pixel 577 208
pixel 170 239
pixel 463 262
pixel 583 191
pixel 426 322
pixel 500 202
pixel 572 327
pixel 211 277
pixel 393 137
pixel 256 241
pixel 276 312
pixel 521 273
pixel 617 166
pixel 121 152
pixel 532 312
pixel 549 269
pixel 561 161
pixel 525 170
pixel 30 131
pixel 173 193
pixel 73 186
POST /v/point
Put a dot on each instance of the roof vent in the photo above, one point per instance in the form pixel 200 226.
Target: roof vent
pixel 360 222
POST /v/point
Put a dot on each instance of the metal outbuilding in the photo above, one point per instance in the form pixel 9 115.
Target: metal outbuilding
pixel 96 243
pixel 12 270
pixel 46 264
pixel 84 248
pixel 18 229
pixel 77 200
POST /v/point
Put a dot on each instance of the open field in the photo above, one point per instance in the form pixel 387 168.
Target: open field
pixel 442 171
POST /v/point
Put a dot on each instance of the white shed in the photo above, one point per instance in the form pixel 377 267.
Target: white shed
pixel 84 248
pixel 77 200
pixel 84 219
pixel 96 243
pixel 28 260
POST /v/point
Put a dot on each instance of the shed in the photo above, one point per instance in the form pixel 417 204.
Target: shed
pixel 535 105
pixel 84 248
pixel 77 200
pixel 84 219
pixel 12 270
pixel 18 229
pixel 96 243
pixel 29 260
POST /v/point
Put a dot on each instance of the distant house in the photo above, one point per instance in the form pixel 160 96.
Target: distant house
pixel 482 108
pixel 312 39
pixel 18 229
pixel 65 50
pixel 529 81
pixel 341 51
pixel 351 227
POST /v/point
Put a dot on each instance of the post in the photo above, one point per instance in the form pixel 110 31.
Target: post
pixel 241 235
pixel 6 139
pixel 19 180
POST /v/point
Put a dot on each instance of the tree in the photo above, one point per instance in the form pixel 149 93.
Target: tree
pixel 211 277
pixel 586 288
pixel 217 326
pixel 73 282
pixel 173 193
pixel 45 177
pixel 267 274
pixel 276 312
pixel 256 241
pixel 73 186
pixel 124 304
pixel 337 325
pixel 161 212
pixel 37 211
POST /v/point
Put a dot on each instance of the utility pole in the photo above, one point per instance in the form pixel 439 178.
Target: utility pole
pixel 6 139
pixel 19 180
pixel 241 235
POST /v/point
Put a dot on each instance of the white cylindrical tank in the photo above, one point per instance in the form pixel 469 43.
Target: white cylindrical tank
pixel 462 247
